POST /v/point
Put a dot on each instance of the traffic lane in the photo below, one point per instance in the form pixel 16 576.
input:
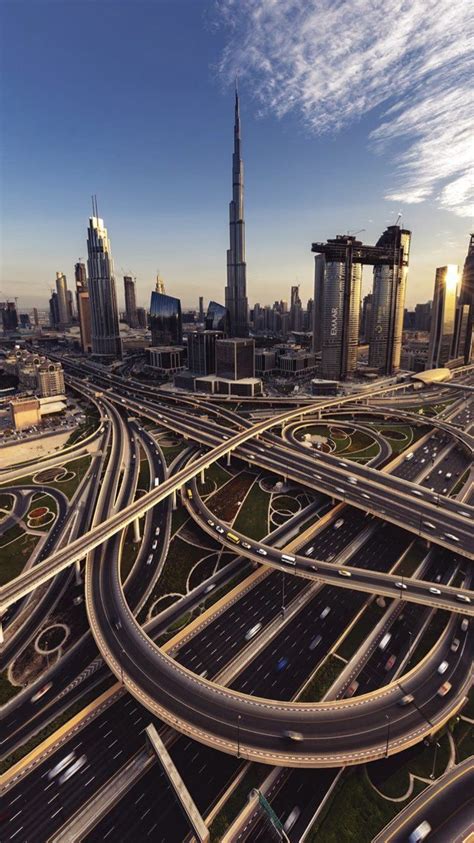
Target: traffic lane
pixel 38 805
pixel 296 644
pixel 283 455
pixel 453 822
pixel 343 727
pixel 225 637
pixel 296 641
pixel 302 790
pixel 160 818
pixel 455 465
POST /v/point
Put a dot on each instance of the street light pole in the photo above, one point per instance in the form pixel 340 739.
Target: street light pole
pixel 283 593
pixel 432 774
pixel 238 735
pixel 387 718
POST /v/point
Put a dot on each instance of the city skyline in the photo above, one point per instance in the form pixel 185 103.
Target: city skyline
pixel 187 173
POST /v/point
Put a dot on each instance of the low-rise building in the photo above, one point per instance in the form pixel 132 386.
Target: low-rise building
pixel 25 412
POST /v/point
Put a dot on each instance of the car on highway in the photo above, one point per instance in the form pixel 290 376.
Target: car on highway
pixel 154 545
pixel 343 464
pixel 317 477
pixel 220 529
pixel 352 481
pixel 406 699
pixel 451 537
pixel 211 522
pixel 41 692
pixel 465 624
pixel 247 546
pixel 341 491
pixel 390 662
pixel 444 689
pixel 339 523
pixel 68 759
pixel 71 771
pixel 343 573
pixel 150 559
pixel 313 568
pixel 434 590
pixel 366 496
pixel 290 560
pixel 281 664
pixel 463 598
pixel 315 642
pixel 293 736
pixel 385 641
pixel 292 818
pixel 309 551
pixel 400 585
pixel 443 667
pixel 157 531
pixel 325 613
pixel 420 833
pixel 209 588
pixel 455 645
pixel 253 631
pixel 116 623
pixel 261 551
pixel 429 525
pixel 416 492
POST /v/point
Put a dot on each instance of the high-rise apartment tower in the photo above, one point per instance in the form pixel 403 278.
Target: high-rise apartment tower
pixel 105 333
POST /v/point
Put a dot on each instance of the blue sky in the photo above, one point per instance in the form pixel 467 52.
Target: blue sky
pixel 132 100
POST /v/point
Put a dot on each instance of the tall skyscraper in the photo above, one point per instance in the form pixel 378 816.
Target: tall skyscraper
pixel 236 289
pixel 388 300
pixel 366 318
pixel 9 316
pixel 423 316
pixel 130 301
pixel 160 284
pixel 338 276
pixel 105 333
pixel 201 309
pixel 63 309
pixel 217 318
pixel 165 320
pixel 296 309
pixel 444 316
pixel 54 310
pixel 202 351
pixel 467 297
pixel 83 306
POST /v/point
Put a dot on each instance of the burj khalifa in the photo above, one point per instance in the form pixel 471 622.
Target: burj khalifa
pixel 236 289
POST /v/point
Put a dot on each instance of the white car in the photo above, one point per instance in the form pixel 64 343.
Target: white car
pixel 71 771
pixel 68 759
pixel 325 612
pixel 463 598
pixel 443 667
pixel 451 537
pixel 434 590
pixel 261 551
pixel 252 632
pixel 400 585
pixel 343 573
pixel 220 529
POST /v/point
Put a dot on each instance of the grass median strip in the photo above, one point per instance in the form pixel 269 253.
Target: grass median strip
pixel 252 520
pixel 322 680
pixel 361 629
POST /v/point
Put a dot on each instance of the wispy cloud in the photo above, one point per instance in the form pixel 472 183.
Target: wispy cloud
pixel 409 62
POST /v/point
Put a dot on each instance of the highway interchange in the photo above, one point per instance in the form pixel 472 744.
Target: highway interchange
pixel 133 661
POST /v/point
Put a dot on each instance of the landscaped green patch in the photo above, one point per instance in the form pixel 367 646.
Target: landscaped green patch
pixel 361 629
pixel 254 777
pixel 252 519
pixel 460 483
pixel 7 690
pixel 217 474
pixel 283 503
pixel 464 737
pixel 178 518
pixel 355 813
pixel 181 558
pixel 143 480
pixel 322 680
pixel 226 506
pixel 421 760
pixel 15 556
pixel 10 535
pixel 6 501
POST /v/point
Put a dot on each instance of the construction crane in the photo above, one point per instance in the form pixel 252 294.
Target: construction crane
pixel 355 233
pixel 398 218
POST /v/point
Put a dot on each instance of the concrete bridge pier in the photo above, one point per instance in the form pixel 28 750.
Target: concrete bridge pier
pixel 136 530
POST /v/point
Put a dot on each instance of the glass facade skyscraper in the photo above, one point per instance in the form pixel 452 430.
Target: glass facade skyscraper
pixel 130 301
pixel 443 317
pixel 388 301
pixel 165 319
pixel 105 333
pixel 217 318
pixel 467 297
